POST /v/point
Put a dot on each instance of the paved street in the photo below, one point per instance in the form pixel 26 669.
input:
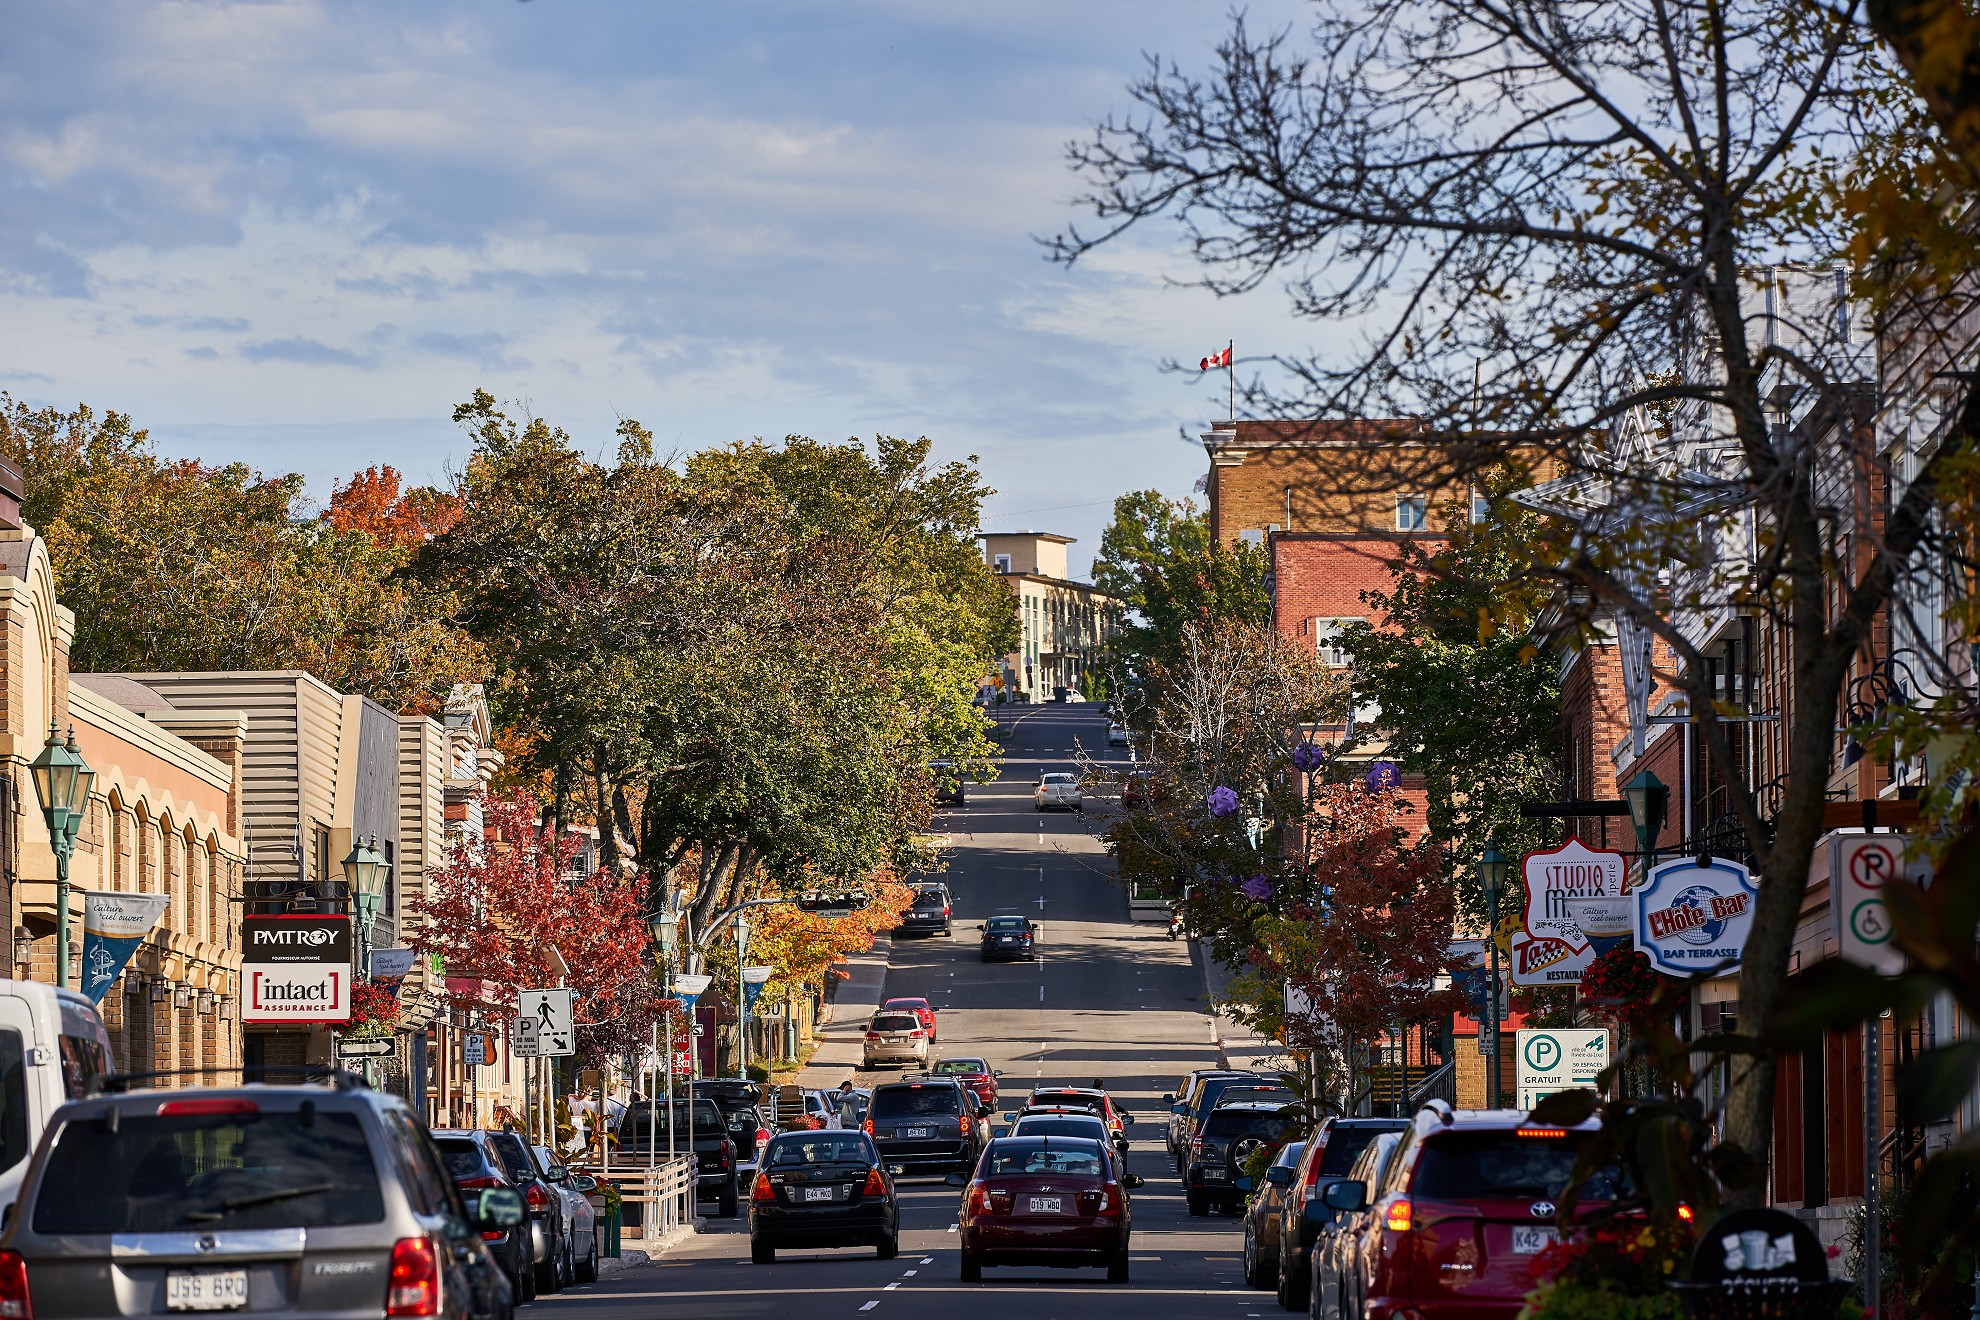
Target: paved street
pixel 1110 1000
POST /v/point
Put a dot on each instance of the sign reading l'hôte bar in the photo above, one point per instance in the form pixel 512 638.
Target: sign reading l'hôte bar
pixel 1693 914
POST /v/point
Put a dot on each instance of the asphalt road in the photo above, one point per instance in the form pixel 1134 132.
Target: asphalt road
pixel 1108 999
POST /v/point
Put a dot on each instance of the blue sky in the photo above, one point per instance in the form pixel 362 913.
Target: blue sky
pixel 297 233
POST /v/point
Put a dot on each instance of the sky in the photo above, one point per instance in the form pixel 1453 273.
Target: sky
pixel 296 234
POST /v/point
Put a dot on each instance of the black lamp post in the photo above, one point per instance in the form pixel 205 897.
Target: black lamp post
pixel 62 781
pixel 364 880
pixel 1647 797
pixel 1492 869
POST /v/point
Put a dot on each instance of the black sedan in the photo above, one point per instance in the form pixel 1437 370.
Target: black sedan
pixel 1009 937
pixel 822 1189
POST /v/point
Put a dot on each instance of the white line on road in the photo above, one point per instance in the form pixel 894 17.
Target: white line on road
pixel 927 1260
pixel 870 1305
pixel 1041 994
pixel 909 1274
pixel 890 1287
pixel 952 1228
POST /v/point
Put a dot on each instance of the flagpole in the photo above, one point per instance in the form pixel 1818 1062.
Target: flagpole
pixel 1230 376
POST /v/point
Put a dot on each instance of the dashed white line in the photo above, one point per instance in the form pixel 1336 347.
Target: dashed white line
pixel 870 1305
pixel 890 1287
pixel 909 1274
pixel 952 1228
pixel 927 1260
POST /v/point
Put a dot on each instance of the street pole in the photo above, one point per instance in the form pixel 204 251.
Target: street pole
pixel 1873 1210
pixel 62 845
pixel 1492 993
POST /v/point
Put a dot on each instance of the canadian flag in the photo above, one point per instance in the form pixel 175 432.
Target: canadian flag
pixel 1221 358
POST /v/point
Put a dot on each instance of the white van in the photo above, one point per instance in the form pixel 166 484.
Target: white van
pixel 52 1045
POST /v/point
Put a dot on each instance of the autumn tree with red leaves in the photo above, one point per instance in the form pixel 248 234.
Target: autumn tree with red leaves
pixel 497 906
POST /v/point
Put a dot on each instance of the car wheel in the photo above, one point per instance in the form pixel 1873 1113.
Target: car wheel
pixel 762 1253
pixel 1252 1279
pixel 1198 1206
pixel 525 1281
pixel 1117 1268
pixel 888 1247
pixel 1291 1290
pixel 972 1267
pixel 588 1268
pixel 547 1280
pixel 728 1206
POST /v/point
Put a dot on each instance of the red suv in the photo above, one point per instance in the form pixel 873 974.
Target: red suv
pixel 921 1008
pixel 1466 1203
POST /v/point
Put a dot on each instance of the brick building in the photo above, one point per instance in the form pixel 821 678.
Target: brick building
pixel 1350 477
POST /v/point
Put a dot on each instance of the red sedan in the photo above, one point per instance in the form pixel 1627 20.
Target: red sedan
pixel 1056 1201
pixel 976 1074
pixel 921 1008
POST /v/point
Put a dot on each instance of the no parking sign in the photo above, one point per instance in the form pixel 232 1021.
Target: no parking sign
pixel 1860 865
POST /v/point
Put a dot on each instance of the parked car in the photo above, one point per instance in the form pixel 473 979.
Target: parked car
pixel 1057 1201
pixel 1205 1099
pixel 1261 1218
pixel 1058 791
pixel 1327 1285
pixel 974 1073
pixel 925 1124
pixel 308 1200
pixel 1330 1152
pixel 1467 1202
pixel 580 1225
pixel 950 787
pixel 822 1189
pixel 1009 936
pixel 698 1126
pixel 546 1221
pixel 895 1038
pixel 918 1006
pixel 929 914
pixel 1117 734
pixel 740 1101
pixel 1180 1101
pixel 1215 1173
pixel 470 1160
pixel 52 1046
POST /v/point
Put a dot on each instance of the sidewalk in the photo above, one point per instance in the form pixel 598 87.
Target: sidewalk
pixel 1238 1046
pixel 842 1038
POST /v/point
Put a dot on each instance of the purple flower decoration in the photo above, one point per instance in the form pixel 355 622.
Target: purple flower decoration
pixel 1308 757
pixel 1223 801
pixel 1258 887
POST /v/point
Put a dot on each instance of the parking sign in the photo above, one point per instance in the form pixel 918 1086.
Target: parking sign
pixel 1859 867
pixel 1551 1059
pixel 544 1026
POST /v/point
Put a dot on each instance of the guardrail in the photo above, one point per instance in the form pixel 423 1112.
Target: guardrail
pixel 656 1199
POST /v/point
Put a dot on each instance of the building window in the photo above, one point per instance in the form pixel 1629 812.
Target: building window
pixel 1002 563
pixel 1326 642
pixel 1481 508
pixel 1410 512
pixel 1252 536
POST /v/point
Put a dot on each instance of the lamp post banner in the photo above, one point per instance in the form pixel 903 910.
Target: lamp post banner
pixel 1692 917
pixel 113 926
pixel 389 968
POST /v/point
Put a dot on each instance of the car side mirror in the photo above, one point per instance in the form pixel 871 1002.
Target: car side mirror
pixel 556 1173
pixel 1278 1175
pixel 584 1184
pixel 1010 1115
pixel 499 1208
pixel 981 926
pixel 1179 1109
pixel 996 1072
pixel 1168 1097
pixel 1347 1196
pixel 1133 1180
pixel 896 1170
pixel 1127 1119
pixel 956 1180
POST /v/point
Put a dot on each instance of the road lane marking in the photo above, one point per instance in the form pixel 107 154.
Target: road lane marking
pixel 1041 994
pixel 890 1287
pixel 952 1228
pixel 927 1260
pixel 870 1305
pixel 909 1274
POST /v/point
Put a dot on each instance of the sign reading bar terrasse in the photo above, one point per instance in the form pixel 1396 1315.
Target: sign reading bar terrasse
pixel 1692 917
pixel 296 968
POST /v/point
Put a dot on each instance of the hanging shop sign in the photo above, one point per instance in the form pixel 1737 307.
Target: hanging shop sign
pixel 1545 960
pixel 1692 916
pixel 296 968
pixel 1556 878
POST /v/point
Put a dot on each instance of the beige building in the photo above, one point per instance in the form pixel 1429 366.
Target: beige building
pixel 1065 624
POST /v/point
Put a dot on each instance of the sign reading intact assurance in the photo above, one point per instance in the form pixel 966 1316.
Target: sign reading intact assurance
pixel 296 968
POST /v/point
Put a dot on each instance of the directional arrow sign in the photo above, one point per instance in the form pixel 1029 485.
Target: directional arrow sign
pixel 364 1049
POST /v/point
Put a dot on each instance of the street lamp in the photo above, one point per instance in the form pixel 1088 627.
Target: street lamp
pixel 1492 868
pixel 364 881
pixel 62 781
pixel 1647 797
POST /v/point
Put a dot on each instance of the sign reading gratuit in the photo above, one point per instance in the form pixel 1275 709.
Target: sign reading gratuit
pixel 296 968
pixel 1692 917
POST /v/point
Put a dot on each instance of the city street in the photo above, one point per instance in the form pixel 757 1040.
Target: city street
pixel 1108 1000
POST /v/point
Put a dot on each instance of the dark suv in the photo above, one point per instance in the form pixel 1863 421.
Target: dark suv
pixel 698 1125
pixel 548 1250
pixel 1468 1199
pixel 1215 1173
pixel 931 1124
pixel 930 913
pixel 474 1166
pixel 311 1200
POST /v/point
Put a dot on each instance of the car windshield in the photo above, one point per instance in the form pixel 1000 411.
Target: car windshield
pixel 952 1066
pixel 1014 925
pixel 182 1173
pixel 1344 1145
pixel 1506 1163
pixel 1246 1122
pixel 1075 1161
pixel 914 1101
pixel 896 1022
pixel 1071 1125
pixel 928 898
pixel 905 1005
pixel 819 1148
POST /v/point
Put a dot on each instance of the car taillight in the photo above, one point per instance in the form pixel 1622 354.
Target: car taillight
pixel 1541 1132
pixel 917 1033
pixel 728 1151
pixel 534 1194
pixel 873 1035
pixel 1196 1145
pixel 1685 1212
pixel 480 1183
pixel 1398 1218
pixel 867 1127
pixel 414 1289
pixel 762 1135
pixel 945 912
pixel 760 1189
pixel 14 1301
pixel 875 1184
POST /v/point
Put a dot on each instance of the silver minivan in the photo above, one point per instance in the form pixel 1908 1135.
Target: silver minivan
pixel 294 1201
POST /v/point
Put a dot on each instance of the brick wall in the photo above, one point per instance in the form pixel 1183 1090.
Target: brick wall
pixel 1594 718
pixel 1324 576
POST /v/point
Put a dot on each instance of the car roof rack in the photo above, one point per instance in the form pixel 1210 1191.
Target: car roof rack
pixel 342 1079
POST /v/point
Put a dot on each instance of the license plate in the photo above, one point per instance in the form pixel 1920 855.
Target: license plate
pixel 1531 1241
pixel 205 1290
pixel 1046 1205
pixel 1215 1175
pixel 896 1040
pixel 917 1132
pixel 820 1194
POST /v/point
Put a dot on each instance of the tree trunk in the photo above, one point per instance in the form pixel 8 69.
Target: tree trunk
pixel 608 839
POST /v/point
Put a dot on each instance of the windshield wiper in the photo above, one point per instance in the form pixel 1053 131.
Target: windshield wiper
pixel 259 1198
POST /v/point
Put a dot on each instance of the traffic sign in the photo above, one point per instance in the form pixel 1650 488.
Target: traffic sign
pixel 545 1028
pixel 477 1050
pixel 1859 867
pixel 364 1049
pixel 1550 1059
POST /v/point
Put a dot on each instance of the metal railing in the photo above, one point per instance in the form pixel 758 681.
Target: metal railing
pixel 1440 1084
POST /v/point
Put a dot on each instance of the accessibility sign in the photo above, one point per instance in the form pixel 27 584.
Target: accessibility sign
pixel 545 1028
pixel 1551 1059
pixel 1860 865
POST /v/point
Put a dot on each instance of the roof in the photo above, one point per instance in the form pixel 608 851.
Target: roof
pixel 1357 431
pixel 132 695
pixel 1038 536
